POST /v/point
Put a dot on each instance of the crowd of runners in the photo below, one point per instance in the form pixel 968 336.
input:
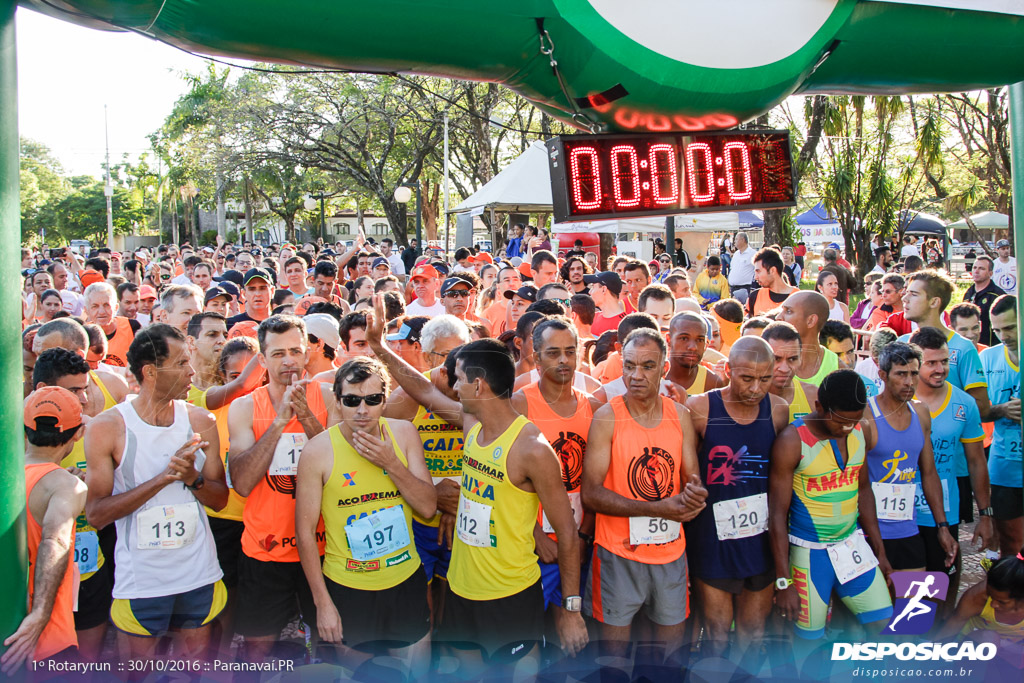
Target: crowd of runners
pixel 503 458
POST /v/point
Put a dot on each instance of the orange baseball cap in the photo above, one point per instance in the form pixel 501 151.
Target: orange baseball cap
pixel 525 270
pixel 147 292
pixel 90 276
pixel 483 257
pixel 302 305
pixel 55 402
pixel 424 271
pixel 246 328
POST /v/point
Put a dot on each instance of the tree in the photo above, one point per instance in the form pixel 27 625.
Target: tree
pixel 83 213
pixel 42 186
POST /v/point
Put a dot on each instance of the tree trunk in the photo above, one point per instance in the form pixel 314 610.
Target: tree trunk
pixel 774 220
pixel 248 213
pixel 222 222
pixel 430 194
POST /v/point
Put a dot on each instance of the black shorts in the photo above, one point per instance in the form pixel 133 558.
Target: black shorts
pixel 753 584
pixel 1007 502
pixel 905 553
pixel 966 500
pixel 392 618
pixel 270 594
pixel 935 556
pixel 94 598
pixel 506 628
pixel 227 536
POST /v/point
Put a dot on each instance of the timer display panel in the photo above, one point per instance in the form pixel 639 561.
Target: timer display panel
pixel 607 176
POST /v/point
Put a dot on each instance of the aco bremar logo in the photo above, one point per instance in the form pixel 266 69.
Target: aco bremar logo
pixel 914 612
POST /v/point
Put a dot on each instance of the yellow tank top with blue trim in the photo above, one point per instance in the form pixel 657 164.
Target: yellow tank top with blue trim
pixel 799 406
pixel 368 523
pixel 88 554
pixel 824 505
pixel 986 621
pixel 236 503
pixel 442 450
pixel 493 551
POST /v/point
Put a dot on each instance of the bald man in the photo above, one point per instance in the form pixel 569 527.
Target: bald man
pixel 808 312
pixel 727 544
pixel 687 342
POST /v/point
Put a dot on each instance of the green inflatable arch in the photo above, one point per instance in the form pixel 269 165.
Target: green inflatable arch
pixel 601 64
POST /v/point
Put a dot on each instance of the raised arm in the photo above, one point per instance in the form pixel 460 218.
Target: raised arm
pixel 250 380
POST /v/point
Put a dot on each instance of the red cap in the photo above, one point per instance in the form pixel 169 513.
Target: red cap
pixel 425 271
pixel 246 328
pixel 90 276
pixel 54 402
pixel 525 270
pixel 483 257
pixel 147 292
pixel 303 304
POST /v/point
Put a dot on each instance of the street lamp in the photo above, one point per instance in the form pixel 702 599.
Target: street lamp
pixel 403 193
pixel 310 204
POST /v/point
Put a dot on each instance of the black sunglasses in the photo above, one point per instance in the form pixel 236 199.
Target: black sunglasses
pixel 353 400
pixel 457 293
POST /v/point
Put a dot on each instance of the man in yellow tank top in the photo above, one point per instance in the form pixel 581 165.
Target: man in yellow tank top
pixel 366 476
pixel 494 609
pixel 93 549
pixel 785 343
pixel 641 479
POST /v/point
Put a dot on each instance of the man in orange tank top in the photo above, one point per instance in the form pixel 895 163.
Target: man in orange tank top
pixel 773 290
pixel 267 430
pixel 55 497
pixel 640 478
pixel 563 414
pixel 100 305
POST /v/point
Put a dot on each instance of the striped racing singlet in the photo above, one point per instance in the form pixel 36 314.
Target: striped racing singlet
pixel 359 491
pixel 492 555
pixel 824 506
pixel 645 464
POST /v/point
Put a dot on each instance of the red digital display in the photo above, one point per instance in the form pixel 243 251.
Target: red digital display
pixel 605 176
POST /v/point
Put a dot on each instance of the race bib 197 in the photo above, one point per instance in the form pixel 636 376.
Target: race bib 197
pixel 379 534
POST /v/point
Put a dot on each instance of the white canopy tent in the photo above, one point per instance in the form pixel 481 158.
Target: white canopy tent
pixel 700 222
pixel 524 186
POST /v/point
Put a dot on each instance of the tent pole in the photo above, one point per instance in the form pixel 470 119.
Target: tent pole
pixel 13 552
pixel 670 238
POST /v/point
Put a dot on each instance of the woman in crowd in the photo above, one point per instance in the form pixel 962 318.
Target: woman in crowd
pixel 828 286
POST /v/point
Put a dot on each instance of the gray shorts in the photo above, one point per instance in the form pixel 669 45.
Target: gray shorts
pixel 617 588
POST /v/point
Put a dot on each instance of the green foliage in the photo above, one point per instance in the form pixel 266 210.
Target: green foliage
pixel 42 186
pixel 208 238
pixel 83 214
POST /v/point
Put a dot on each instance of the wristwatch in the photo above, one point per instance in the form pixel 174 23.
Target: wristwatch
pixel 782 583
pixel 572 603
pixel 986 512
pixel 197 484
pixel 942 525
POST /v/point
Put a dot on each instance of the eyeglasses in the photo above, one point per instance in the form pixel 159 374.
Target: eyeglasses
pixel 439 353
pixel 353 400
pixel 565 302
pixel 457 293
pixel 164 276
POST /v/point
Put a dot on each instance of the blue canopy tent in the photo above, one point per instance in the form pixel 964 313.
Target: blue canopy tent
pixel 818 226
pixel 750 219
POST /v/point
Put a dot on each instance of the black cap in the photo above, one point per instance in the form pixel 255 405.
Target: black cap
pixel 213 292
pixel 257 273
pixel 608 278
pixel 230 276
pixel 411 329
pixel 528 292
pixel 451 282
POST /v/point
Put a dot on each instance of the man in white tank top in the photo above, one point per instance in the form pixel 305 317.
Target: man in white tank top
pixel 148 473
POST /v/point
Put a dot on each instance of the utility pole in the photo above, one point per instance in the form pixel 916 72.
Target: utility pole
pixel 108 188
pixel 447 229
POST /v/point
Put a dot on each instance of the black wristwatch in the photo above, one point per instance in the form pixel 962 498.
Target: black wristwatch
pixel 197 484
pixel 942 525
pixel 587 538
pixel 986 512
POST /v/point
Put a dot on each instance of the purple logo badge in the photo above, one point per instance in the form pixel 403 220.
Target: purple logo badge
pixel 917 598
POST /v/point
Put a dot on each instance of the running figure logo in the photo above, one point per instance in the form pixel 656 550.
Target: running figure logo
pixel 650 474
pixel 921 592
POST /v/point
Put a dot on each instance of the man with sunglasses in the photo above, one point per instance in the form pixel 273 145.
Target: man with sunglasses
pixel 820 461
pixel 455 297
pixel 366 477
pixel 267 430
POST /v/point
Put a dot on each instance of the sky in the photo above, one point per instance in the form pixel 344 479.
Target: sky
pixel 66 74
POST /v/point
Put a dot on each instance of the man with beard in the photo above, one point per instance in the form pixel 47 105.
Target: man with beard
pixel 728 547
pixel 573 271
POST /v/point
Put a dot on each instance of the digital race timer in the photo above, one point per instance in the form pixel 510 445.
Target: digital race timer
pixel 606 176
